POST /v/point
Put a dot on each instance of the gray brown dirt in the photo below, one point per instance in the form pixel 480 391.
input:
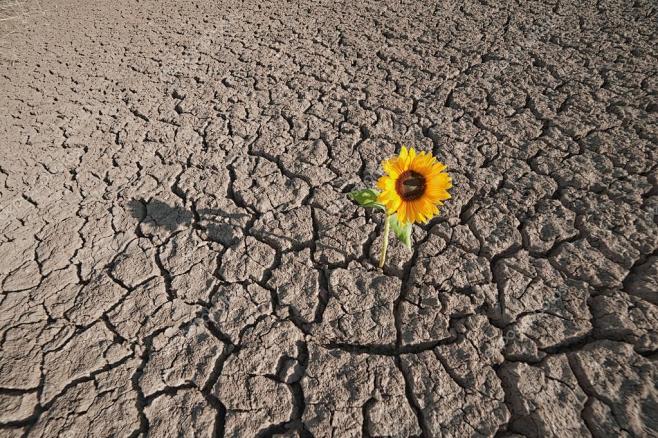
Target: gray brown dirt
pixel 178 255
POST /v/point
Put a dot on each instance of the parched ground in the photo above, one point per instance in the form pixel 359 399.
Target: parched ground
pixel 178 255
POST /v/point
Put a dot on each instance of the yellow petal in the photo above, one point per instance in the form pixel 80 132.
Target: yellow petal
pixel 403 153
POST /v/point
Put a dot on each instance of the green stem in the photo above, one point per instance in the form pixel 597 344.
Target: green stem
pixel 387 229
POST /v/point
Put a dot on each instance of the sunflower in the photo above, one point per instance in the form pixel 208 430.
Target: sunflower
pixel 414 186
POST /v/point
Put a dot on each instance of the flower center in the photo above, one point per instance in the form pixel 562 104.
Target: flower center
pixel 410 185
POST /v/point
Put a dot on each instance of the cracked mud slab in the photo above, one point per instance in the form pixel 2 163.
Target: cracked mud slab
pixel 178 255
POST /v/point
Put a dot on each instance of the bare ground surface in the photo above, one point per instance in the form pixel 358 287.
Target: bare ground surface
pixel 178 256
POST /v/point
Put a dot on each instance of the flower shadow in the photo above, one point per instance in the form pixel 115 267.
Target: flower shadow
pixel 221 225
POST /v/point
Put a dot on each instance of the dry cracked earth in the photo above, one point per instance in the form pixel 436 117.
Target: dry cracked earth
pixel 178 256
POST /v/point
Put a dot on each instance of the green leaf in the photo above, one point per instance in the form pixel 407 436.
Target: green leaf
pixel 402 230
pixel 366 198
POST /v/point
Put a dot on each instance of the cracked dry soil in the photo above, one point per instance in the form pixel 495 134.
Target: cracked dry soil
pixel 178 256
